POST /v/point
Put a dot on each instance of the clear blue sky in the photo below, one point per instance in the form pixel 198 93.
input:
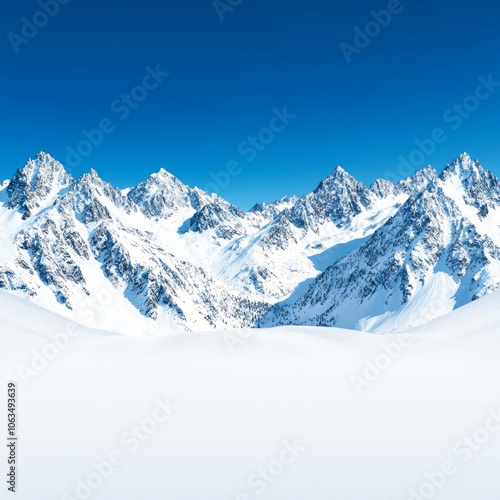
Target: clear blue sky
pixel 226 78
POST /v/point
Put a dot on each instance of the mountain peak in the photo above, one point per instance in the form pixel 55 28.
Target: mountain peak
pixel 91 179
pixel 43 156
pixel 339 176
pixel 339 173
pixel 41 178
pixel 163 177
pixel 424 176
pixel 162 195
pixel 464 161
pixel 463 167
pixel 41 164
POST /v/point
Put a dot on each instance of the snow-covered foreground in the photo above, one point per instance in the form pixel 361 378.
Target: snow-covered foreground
pixel 287 413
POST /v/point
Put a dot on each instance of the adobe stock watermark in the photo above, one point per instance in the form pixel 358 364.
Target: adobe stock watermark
pixel 223 6
pixel 373 369
pixel 463 450
pixel 60 341
pixel 120 108
pixel 235 338
pixel 265 476
pixel 131 441
pixel 392 348
pixel 31 27
pixel 250 148
pixel 454 117
pixel 363 37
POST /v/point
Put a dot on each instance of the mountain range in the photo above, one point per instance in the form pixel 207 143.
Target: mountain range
pixel 164 257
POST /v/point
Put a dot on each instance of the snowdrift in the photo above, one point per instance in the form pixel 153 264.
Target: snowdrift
pixel 289 413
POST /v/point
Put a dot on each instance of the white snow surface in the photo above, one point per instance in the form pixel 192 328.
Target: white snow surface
pixel 236 408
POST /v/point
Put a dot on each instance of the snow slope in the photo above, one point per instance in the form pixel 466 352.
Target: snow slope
pixel 244 399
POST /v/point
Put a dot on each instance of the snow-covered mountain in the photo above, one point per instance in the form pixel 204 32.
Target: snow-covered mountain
pixel 162 256
pixel 440 250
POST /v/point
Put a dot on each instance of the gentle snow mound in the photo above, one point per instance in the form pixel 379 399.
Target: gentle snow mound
pixel 238 399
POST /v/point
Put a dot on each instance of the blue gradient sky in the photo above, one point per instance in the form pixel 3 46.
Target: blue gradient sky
pixel 226 77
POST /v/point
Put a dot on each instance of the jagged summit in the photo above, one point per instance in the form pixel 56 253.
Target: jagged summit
pixel 463 167
pixel 93 173
pixel 162 195
pixel 338 171
pixel 338 177
pixel 38 182
pixel 45 157
pixel 91 178
pixel 42 165
pixel 163 177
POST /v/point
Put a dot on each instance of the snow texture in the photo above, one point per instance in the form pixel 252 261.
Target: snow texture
pixel 242 397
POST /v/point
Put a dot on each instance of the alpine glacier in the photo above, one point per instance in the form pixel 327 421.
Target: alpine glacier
pixel 164 257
